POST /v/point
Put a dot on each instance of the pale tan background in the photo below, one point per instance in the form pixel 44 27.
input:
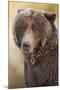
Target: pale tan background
pixel 16 67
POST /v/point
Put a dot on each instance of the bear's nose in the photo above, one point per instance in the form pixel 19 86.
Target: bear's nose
pixel 26 46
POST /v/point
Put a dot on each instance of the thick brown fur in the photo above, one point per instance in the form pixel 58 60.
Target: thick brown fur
pixel 41 65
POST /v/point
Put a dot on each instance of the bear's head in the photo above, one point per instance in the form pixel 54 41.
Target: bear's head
pixel 32 29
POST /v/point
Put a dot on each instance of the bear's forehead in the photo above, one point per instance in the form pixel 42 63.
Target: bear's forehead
pixel 26 16
pixel 35 19
pixel 30 15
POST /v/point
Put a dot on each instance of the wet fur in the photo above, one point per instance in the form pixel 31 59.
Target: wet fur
pixel 40 67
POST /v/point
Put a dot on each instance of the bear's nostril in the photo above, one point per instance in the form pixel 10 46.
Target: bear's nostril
pixel 26 46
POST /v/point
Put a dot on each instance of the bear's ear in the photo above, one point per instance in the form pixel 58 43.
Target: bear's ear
pixel 50 16
pixel 19 10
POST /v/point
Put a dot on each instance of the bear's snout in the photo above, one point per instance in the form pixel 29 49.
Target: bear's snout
pixel 26 46
pixel 27 43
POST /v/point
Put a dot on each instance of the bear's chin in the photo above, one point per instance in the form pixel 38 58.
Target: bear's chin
pixel 35 55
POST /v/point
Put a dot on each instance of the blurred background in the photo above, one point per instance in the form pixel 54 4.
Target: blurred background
pixel 16 60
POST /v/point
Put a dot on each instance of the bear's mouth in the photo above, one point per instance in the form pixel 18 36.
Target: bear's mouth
pixel 37 54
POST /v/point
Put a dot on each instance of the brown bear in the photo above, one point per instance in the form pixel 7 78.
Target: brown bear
pixel 36 35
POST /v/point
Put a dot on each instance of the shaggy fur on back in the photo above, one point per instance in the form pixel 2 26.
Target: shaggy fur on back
pixel 41 61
